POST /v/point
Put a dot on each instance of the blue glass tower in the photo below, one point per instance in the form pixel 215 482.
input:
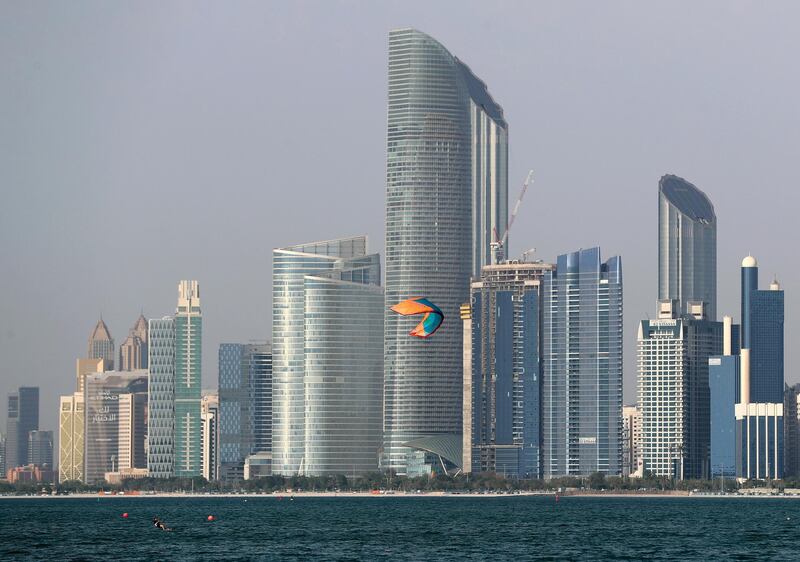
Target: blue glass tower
pixel 506 378
pixel 582 377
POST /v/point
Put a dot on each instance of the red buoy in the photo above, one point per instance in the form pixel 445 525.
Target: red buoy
pixel 210 518
pixel 125 515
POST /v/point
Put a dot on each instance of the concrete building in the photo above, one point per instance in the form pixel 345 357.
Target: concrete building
pixel 503 378
pixel 209 417
pixel 23 417
pixel 40 448
pixel 257 465
pixel 101 344
pixel 632 464
pixel 133 351
pixel 446 193
pixel 582 356
pixel 110 432
pixel 30 473
pixel 188 378
pixel 687 245
pixel 245 409
pixel 71 422
pixel 673 390
pixel 132 430
pixel 327 348
pixel 87 365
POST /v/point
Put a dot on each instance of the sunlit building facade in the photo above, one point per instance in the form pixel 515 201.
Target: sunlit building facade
pixel 161 398
pixel 188 378
pixel 294 269
pixel 582 358
pixel 70 437
pixel 446 194
pixel 687 245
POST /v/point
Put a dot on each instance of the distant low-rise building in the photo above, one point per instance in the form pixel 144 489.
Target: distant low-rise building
pixel 30 473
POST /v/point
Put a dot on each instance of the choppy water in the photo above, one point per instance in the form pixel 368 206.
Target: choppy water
pixel 449 528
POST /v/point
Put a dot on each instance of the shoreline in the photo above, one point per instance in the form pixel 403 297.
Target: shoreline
pixel 297 495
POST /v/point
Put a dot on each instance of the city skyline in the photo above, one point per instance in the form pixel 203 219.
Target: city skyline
pixel 723 164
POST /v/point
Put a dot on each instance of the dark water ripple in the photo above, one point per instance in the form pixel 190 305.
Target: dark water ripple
pixel 506 528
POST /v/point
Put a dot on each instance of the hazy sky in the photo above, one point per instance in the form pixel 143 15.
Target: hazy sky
pixel 144 143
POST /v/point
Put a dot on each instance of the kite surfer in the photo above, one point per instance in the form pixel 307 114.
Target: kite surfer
pixel 159 524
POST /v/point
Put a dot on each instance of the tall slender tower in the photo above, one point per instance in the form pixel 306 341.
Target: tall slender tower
pixel 687 245
pixel 161 398
pixel 101 344
pixel 446 192
pixel 133 351
pixel 23 417
pixel 582 356
pixel 188 354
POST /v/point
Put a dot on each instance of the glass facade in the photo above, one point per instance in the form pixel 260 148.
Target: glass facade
pixel 161 397
pixel 446 192
pixel 40 448
pixel 290 266
pixel 343 372
pixel 245 395
pixel 673 388
pixel 582 377
pixel 766 339
pixel 759 441
pixel 723 383
pixel 103 420
pixel 23 417
pixel 188 373
pixel 505 369
pixel 687 245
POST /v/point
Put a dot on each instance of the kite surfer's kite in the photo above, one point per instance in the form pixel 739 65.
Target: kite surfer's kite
pixel 420 305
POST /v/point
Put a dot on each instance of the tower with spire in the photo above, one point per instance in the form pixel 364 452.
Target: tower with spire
pixel 101 344
pixel 133 351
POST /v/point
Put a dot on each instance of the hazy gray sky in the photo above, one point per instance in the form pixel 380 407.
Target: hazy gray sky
pixel 142 143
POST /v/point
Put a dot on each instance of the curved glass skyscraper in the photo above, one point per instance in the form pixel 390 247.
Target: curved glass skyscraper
pixel 687 245
pixel 446 191
pixel 326 299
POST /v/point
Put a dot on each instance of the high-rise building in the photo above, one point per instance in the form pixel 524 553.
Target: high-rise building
pixel 723 384
pixel 188 372
pixel 23 417
pixel 343 381
pixel 107 420
pixel 245 404
pixel 505 377
pixel 40 448
pixel 631 441
pixel 2 455
pixel 791 431
pixel 582 357
pixel 132 430
pixel 70 437
pixel 687 245
pixel 325 299
pixel 446 194
pixel 161 398
pixel 759 411
pixel 133 351
pixel 209 417
pixel 762 334
pixel 101 344
pixel 673 388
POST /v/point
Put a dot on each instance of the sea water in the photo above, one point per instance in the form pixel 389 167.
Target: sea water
pixel 400 528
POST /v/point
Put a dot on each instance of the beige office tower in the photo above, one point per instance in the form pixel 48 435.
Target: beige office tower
pixel 87 366
pixel 101 344
pixel 70 437
pixel 133 351
pixel 209 435
pixel 631 441
pixel 132 431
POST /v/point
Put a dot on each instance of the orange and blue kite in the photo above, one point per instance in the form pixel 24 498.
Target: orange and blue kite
pixel 420 305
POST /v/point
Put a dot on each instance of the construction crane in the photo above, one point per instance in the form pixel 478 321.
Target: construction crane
pixel 498 244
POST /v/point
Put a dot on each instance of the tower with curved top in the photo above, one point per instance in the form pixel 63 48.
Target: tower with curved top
pixel 446 192
pixel 687 245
